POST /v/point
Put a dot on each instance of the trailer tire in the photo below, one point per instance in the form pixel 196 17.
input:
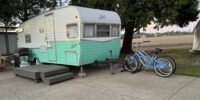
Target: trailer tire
pixel 35 61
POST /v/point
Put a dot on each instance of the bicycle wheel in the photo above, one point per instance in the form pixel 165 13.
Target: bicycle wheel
pixel 172 61
pixel 139 64
pixel 130 63
pixel 163 67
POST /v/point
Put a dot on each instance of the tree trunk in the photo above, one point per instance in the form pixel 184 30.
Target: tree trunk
pixel 25 10
pixel 127 42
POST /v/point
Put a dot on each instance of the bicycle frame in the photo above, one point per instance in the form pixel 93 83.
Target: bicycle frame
pixel 148 61
pixel 163 66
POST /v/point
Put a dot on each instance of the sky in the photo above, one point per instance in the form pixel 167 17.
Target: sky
pixel 174 28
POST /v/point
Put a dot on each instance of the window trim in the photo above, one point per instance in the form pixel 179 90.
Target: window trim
pixel 102 25
pixel 95 29
pixel 118 30
pixel 94 34
pixel 67 30
pixel 25 36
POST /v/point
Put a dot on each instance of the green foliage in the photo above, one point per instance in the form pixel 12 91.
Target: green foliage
pixel 137 14
pixel 7 14
pixel 98 4
pixel 179 12
pixel 187 12
pixel 14 11
pixel 29 8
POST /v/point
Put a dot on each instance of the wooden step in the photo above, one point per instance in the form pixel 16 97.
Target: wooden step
pixel 49 73
pixel 58 78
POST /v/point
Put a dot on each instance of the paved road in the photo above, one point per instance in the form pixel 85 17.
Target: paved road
pixel 100 85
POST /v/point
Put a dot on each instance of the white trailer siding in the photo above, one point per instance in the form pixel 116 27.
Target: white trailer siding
pixel 61 18
pixel 32 27
pixel 68 15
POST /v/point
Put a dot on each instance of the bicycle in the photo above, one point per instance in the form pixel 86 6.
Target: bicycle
pixel 163 66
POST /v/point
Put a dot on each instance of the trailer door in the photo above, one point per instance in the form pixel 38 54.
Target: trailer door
pixel 50 37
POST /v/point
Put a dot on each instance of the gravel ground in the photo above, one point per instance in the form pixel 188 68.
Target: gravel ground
pixel 101 85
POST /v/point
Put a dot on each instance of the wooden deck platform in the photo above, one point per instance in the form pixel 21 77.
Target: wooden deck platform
pixel 47 73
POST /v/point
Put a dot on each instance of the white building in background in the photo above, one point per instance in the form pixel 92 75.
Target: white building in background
pixel 196 43
pixel 9 44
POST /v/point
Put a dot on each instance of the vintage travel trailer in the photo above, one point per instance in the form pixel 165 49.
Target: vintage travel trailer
pixel 72 36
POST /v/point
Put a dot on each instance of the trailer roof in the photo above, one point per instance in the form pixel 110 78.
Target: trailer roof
pixel 91 15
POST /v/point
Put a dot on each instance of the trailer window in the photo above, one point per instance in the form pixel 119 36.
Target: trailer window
pixel 103 31
pixel 27 38
pixel 72 31
pixel 89 30
pixel 115 30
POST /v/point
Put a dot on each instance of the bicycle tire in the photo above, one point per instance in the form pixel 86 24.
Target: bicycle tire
pixel 172 61
pixel 130 64
pixel 139 65
pixel 158 70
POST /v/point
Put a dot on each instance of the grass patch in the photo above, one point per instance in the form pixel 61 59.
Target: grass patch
pixel 193 70
pixel 185 61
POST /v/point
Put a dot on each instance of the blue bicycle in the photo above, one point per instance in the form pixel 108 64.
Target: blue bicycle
pixel 163 66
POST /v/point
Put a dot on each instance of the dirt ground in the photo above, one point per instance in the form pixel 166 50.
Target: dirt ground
pixel 183 41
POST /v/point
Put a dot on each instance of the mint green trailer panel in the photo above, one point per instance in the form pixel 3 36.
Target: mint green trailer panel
pixel 92 51
pixel 77 53
pixel 66 53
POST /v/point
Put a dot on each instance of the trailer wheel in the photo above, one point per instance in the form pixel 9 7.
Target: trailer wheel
pixel 35 61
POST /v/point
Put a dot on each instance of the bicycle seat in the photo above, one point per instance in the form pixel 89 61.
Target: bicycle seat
pixel 158 50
